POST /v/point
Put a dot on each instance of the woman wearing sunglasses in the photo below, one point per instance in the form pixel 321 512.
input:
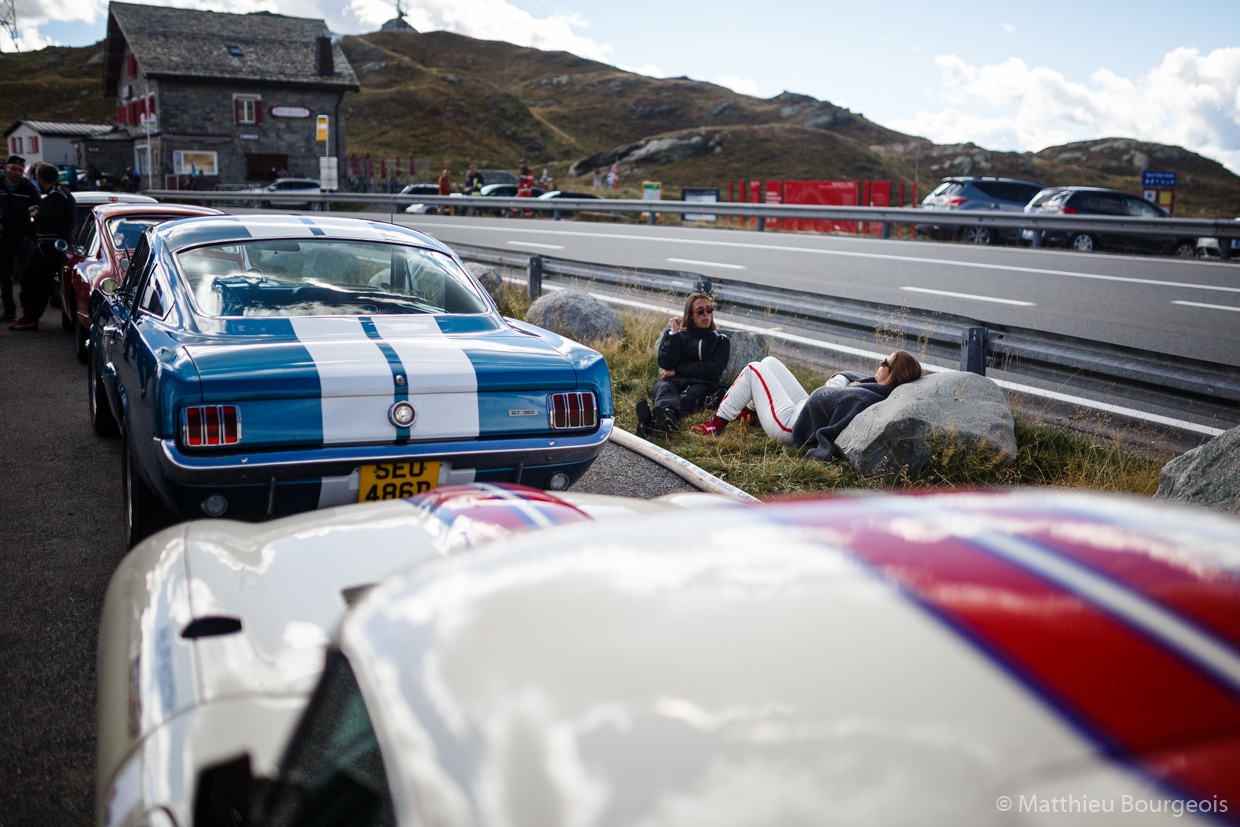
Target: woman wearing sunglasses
pixel 768 391
pixel 692 354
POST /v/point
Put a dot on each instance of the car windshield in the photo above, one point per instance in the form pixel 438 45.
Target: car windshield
pixel 125 232
pixel 325 277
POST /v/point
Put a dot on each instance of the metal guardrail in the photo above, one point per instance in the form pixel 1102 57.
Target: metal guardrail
pixel 884 216
pixel 1205 389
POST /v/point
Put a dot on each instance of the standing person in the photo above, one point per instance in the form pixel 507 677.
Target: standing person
pixel 445 188
pixel 598 179
pixel 692 355
pixel 17 197
pixel 768 391
pixel 613 176
pixel 525 186
pixel 473 181
pixel 52 221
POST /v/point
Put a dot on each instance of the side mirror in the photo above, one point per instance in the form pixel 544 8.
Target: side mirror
pixel 109 286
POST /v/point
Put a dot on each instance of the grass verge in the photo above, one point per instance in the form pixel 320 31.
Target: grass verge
pixel 1047 455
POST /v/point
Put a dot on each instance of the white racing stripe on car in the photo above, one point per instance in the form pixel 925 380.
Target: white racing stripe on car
pixel 443 386
pixel 354 376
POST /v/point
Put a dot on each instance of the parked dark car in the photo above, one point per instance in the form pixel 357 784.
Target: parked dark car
pixel 263 365
pixel 557 194
pixel 981 194
pixel 1097 201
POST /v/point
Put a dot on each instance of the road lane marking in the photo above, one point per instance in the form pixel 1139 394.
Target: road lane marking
pixel 707 263
pixel 968 296
pixel 536 244
pixel 784 248
pixel 1206 306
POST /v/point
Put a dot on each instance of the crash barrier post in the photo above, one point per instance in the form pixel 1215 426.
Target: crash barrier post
pixel 973 350
pixel 536 273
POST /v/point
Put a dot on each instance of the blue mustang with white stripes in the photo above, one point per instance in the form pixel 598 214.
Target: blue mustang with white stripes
pixel 263 366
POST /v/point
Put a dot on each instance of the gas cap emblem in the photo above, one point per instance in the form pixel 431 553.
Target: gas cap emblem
pixel 402 414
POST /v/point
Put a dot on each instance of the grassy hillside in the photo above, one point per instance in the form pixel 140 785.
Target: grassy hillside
pixel 456 100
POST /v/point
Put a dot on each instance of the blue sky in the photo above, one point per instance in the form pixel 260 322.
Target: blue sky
pixel 1004 75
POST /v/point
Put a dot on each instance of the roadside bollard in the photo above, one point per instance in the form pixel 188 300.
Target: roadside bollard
pixel 536 271
pixel 973 350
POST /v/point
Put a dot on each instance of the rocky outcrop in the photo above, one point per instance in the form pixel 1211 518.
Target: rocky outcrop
pixel 576 315
pixel 665 150
pixel 1208 475
pixel 901 434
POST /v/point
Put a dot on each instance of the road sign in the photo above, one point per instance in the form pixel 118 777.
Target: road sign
pixel 320 128
pixel 1159 180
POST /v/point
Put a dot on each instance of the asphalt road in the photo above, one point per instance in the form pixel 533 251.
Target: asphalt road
pixel 61 530
pixel 1174 306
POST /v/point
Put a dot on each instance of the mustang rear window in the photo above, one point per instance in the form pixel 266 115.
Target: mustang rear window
pixel 324 277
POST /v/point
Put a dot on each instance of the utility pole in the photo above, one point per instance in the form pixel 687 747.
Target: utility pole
pixel 8 19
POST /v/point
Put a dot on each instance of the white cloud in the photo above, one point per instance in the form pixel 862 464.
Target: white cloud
pixel 743 86
pixel 1190 100
pixel 486 20
pixel 1009 28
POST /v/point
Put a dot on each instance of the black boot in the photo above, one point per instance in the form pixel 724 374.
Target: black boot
pixel 645 419
pixel 668 420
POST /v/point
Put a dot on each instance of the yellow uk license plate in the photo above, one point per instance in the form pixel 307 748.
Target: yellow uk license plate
pixel 392 480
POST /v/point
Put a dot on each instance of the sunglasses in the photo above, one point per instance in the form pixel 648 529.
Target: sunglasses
pixel 885 364
pixel 703 311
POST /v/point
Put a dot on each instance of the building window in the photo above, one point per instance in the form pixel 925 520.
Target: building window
pixel 17 146
pixel 235 51
pixel 247 109
pixel 34 144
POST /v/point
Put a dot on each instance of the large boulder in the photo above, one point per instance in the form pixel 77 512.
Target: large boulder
pixel 489 278
pixel 1208 475
pixel 575 315
pixel 899 435
pixel 745 347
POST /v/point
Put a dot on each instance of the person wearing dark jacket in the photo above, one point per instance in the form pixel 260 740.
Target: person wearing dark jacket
pixel 17 196
pixel 692 355
pixel 769 392
pixel 51 221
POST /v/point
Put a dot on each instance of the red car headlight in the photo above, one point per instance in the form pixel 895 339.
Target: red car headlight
pixel 576 410
pixel 209 426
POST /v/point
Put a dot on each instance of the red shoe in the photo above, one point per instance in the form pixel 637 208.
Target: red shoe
pixel 24 324
pixel 747 415
pixel 712 427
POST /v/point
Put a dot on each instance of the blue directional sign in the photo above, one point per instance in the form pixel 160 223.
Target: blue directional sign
pixel 1160 180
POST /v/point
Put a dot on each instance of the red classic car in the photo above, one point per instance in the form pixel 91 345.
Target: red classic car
pixel 104 241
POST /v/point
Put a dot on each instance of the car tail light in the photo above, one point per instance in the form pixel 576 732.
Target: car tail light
pixel 572 410
pixel 1067 211
pixel 210 426
pixel 956 202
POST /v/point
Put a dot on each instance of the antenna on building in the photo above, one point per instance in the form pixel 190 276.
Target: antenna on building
pixel 8 19
pixel 400 9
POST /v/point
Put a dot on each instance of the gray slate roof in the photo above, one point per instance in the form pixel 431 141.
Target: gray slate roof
pixel 186 43
pixel 62 129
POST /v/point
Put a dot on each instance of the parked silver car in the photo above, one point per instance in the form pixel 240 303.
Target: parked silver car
pixel 983 194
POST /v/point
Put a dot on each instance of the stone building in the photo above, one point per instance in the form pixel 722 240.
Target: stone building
pixel 211 99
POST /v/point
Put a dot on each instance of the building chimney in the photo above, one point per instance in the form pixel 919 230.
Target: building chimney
pixel 323 55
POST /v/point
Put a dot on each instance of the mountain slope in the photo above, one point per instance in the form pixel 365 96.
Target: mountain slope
pixel 456 100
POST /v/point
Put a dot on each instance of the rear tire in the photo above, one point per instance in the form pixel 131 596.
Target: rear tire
pixel 1184 249
pixel 978 235
pixel 1083 243
pixel 101 418
pixel 145 514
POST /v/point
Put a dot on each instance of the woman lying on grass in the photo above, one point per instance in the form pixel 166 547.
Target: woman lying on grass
pixel 768 391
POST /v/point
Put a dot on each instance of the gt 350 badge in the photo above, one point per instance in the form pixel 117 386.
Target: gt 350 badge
pixel 523 412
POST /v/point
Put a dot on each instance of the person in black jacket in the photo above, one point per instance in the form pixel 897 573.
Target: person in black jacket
pixel 692 355
pixel 52 220
pixel 17 196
